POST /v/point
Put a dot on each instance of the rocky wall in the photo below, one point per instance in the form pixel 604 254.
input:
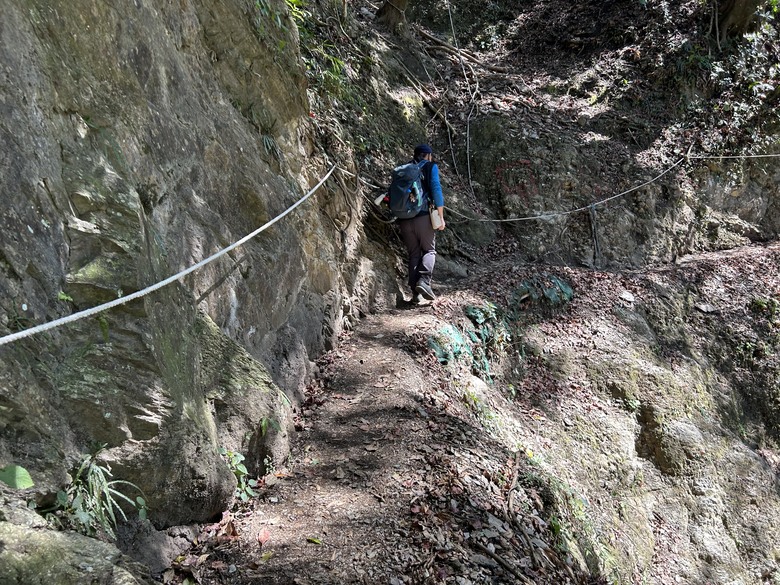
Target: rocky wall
pixel 138 139
pixel 528 166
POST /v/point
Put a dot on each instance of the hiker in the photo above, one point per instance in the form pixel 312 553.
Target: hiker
pixel 418 233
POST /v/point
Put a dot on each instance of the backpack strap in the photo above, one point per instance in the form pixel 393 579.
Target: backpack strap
pixel 426 182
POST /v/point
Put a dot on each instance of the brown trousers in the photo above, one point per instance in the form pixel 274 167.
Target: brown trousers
pixel 420 241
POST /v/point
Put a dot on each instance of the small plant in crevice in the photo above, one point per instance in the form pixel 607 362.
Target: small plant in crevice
pixel 479 408
pixel 104 328
pixel 18 321
pixel 268 465
pixel 266 423
pixel 769 307
pixel 298 11
pixel 271 147
pixel 246 485
pixel 265 12
pixel 90 504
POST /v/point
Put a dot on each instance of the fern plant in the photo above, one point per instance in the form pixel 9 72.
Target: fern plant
pixel 90 504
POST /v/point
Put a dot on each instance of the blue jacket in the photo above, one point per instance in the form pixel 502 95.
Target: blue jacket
pixel 434 185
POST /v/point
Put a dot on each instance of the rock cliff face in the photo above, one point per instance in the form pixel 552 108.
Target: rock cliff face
pixel 138 139
pixel 698 205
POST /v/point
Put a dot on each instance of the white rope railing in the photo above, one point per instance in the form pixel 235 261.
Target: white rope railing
pixel 136 295
pixel 551 214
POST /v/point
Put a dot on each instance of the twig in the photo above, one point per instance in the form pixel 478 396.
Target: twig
pixel 459 52
pixel 410 78
pixel 501 561
pixel 468 147
pixel 345 191
pixel 471 57
pixel 428 103
pixel 512 515
pixel 716 8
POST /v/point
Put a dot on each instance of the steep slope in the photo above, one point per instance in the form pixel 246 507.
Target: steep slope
pixel 139 139
pixel 604 439
pixel 625 419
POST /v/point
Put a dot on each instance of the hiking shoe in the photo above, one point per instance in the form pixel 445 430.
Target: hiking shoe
pixel 425 291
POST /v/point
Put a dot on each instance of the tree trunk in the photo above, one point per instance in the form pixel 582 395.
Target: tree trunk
pixel 736 16
pixel 392 13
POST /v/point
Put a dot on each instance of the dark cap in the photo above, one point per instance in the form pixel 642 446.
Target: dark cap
pixel 422 149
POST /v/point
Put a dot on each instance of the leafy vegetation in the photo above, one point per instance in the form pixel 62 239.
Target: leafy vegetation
pixel 489 340
pixel 16 477
pixel 91 503
pixel 548 291
pixel 744 82
pixel 298 10
pixel 491 336
pixel 246 485
pixel 766 306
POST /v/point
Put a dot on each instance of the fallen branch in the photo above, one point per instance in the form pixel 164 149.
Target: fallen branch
pixel 501 561
pixel 511 514
pixel 427 102
pixel 462 53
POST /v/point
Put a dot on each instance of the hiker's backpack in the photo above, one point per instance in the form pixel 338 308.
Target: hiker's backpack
pixel 406 195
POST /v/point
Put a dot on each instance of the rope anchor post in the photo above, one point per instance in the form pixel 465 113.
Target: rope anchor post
pixel 597 260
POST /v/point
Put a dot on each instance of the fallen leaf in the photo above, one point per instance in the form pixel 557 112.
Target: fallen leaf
pixel 314 540
pixel 263 536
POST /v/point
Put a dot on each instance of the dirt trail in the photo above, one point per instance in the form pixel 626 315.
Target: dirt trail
pixel 399 474
pixel 388 481
pixel 338 516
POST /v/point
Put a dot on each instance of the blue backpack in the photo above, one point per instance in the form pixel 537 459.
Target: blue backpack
pixel 407 198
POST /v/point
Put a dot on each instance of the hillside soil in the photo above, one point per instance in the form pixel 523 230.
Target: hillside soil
pixel 409 468
pixel 398 476
pixel 391 480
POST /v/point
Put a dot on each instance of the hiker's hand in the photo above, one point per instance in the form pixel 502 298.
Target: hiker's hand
pixel 442 226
